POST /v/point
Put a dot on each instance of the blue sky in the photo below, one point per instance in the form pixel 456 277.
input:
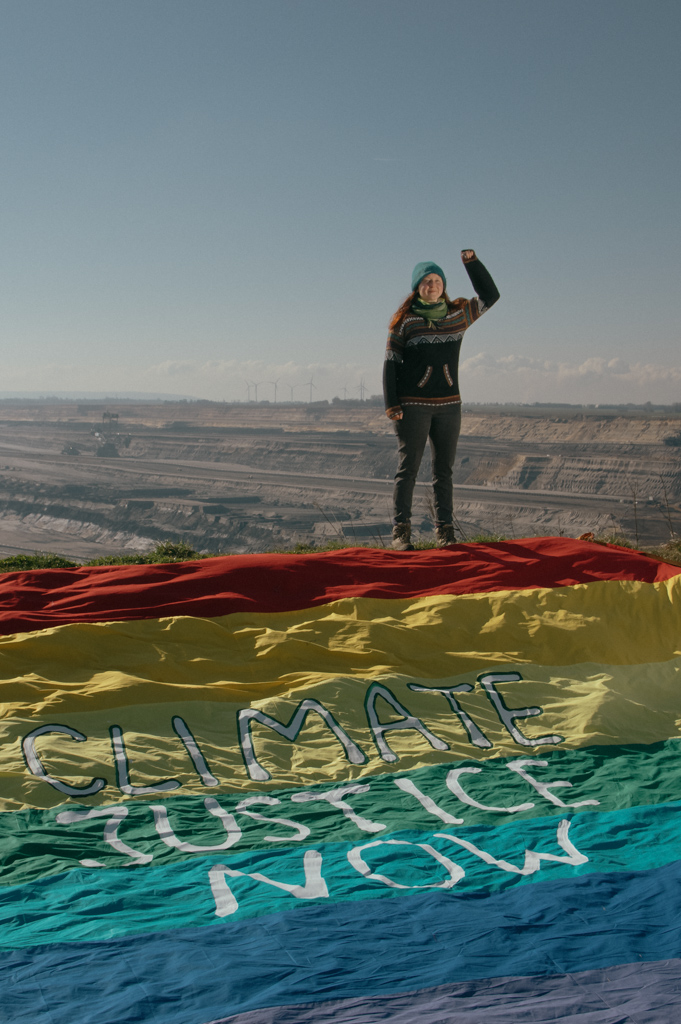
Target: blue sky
pixel 199 192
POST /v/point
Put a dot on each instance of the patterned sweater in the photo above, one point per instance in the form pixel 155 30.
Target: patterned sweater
pixel 422 360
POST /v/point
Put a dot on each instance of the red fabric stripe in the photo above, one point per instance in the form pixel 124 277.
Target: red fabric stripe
pixel 271 583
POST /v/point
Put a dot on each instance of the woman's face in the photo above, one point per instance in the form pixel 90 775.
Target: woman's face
pixel 431 288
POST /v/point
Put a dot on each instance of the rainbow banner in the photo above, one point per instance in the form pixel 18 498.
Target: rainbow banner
pixel 355 786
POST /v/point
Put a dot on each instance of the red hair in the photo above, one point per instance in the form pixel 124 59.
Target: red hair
pixel 407 304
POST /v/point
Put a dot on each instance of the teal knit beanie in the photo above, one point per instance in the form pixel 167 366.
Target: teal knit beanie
pixel 422 270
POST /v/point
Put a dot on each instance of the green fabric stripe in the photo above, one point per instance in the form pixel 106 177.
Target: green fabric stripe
pixel 36 845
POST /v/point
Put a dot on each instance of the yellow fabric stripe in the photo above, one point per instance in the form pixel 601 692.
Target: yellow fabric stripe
pixel 585 704
pixel 138 675
pixel 245 656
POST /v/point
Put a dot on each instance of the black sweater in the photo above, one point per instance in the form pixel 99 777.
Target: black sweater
pixel 422 358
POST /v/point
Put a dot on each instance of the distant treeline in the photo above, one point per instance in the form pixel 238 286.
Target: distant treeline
pixel 564 409
pixel 567 411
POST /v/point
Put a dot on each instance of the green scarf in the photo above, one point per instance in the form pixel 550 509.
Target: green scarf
pixel 430 311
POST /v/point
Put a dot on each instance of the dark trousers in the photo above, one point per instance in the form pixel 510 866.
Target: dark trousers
pixel 441 426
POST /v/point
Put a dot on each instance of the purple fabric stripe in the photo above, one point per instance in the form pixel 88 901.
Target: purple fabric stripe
pixel 624 994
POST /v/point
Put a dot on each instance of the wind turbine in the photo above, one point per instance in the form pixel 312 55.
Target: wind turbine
pixel 310 384
pixel 274 384
pixel 249 385
pixel 361 388
pixel 256 384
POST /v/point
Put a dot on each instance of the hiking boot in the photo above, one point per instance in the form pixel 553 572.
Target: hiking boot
pixel 444 535
pixel 402 537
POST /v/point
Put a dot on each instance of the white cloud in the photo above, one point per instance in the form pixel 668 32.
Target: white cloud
pixel 483 377
pixel 233 380
pixel 515 378
pixel 218 380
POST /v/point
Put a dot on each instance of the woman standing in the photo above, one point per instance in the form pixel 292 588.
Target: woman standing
pixel 421 386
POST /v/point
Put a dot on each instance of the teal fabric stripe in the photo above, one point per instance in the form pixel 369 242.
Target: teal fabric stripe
pixel 93 904
pixel 35 844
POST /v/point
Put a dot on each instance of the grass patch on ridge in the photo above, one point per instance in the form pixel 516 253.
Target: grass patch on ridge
pixel 179 551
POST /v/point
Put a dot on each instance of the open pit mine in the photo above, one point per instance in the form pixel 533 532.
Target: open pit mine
pixel 97 478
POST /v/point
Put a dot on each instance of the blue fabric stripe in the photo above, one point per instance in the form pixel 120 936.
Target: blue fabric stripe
pixel 323 952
